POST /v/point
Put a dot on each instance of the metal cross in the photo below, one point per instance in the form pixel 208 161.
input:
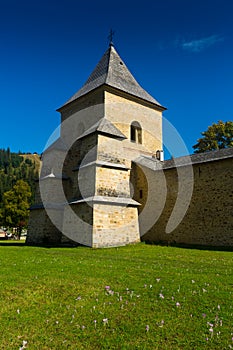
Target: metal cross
pixel 110 37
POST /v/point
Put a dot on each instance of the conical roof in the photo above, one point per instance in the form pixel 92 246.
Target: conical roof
pixel 112 71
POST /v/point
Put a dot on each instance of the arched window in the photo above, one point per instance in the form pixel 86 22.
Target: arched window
pixel 135 132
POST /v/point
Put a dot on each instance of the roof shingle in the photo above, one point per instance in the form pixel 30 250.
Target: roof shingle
pixel 192 159
pixel 104 126
pixel 112 71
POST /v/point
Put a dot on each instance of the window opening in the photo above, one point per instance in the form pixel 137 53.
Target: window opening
pixel 136 132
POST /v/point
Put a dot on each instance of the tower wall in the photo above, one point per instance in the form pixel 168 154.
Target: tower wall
pixel 114 225
pixel 41 230
pixel 122 111
pixel 78 223
pixel 80 115
pixel 86 187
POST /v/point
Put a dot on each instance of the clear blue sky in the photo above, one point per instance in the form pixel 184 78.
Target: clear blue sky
pixel 180 51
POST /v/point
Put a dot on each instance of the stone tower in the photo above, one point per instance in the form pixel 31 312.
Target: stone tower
pixel 85 193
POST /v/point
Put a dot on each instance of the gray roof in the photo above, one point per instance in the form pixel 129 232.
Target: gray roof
pixel 107 200
pixel 54 176
pixel 198 158
pixel 58 145
pixel 104 164
pixel 149 162
pixel 192 159
pixel 104 126
pixel 112 71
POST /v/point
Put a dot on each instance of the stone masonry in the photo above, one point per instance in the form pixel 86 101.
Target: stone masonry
pixel 208 220
pixel 85 193
pixel 104 183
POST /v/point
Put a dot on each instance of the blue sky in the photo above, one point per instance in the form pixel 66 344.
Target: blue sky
pixel 180 51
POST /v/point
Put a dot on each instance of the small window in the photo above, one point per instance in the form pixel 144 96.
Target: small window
pixel 136 132
pixel 132 133
pixel 140 194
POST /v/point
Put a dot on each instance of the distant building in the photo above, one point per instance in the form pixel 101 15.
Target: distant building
pixel 3 235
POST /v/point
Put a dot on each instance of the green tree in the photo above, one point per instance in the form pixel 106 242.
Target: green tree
pixel 13 167
pixel 218 135
pixel 15 211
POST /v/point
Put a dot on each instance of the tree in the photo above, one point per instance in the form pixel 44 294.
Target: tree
pixel 218 135
pixel 14 167
pixel 15 211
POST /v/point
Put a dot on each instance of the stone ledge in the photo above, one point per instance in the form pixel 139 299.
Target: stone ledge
pixel 108 200
pixel 54 176
pixel 104 164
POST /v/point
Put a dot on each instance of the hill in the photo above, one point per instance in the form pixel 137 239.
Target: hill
pixel 18 166
pixel 34 158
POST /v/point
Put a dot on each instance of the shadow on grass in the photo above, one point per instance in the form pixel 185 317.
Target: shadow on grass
pixel 190 246
pixel 162 244
pixel 22 244
pixel 12 244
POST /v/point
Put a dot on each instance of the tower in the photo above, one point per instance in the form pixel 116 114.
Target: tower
pixel 85 193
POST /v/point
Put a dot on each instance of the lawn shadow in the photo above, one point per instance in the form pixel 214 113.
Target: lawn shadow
pixel 42 245
pixel 191 246
pixel 12 244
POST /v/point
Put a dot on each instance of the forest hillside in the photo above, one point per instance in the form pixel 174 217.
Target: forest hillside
pixel 18 166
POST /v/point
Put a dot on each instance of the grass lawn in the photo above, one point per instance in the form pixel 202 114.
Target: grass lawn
pixel 134 297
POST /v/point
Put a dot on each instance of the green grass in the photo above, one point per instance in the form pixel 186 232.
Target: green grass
pixel 159 298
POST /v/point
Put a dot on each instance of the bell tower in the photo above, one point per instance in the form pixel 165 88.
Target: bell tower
pixel 86 189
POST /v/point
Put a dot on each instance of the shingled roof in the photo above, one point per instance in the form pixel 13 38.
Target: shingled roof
pixel 192 159
pixel 58 145
pixel 104 126
pixel 112 71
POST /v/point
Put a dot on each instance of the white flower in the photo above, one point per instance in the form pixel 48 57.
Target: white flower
pixel 161 323
pixel 24 345
pixel 210 324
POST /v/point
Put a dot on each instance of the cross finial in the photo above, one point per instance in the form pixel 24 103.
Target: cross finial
pixel 110 37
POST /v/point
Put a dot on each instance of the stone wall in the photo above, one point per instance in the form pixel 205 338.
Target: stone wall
pixel 114 225
pixel 81 115
pixel 41 229
pixel 209 218
pixel 78 222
